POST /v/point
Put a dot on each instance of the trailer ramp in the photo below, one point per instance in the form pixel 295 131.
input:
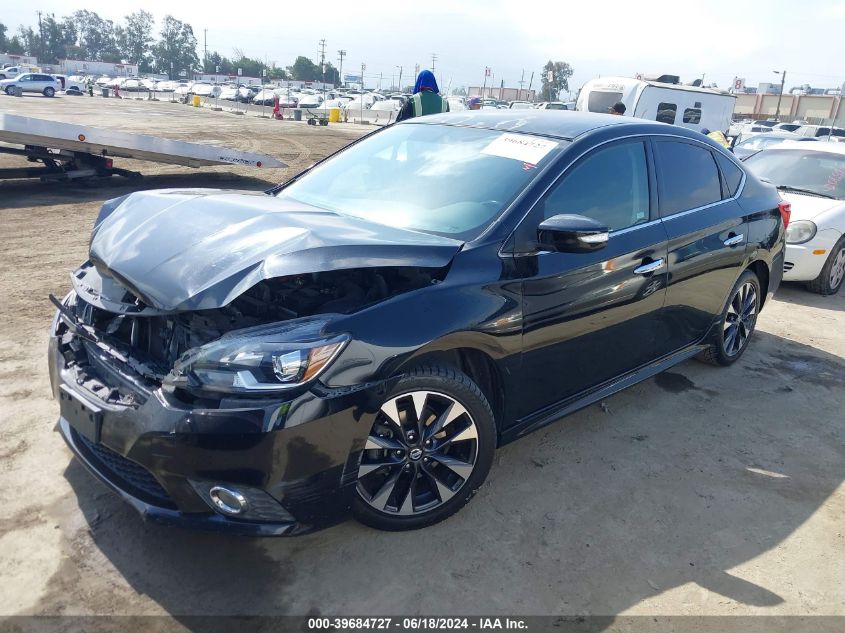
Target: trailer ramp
pixel 69 151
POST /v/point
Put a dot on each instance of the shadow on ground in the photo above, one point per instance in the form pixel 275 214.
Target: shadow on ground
pixel 22 194
pixel 797 293
pixel 676 481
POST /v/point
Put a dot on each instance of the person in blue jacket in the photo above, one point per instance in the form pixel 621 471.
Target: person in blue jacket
pixel 426 99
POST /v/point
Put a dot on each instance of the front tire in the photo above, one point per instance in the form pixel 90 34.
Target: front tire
pixel 832 275
pixel 10 90
pixel 429 449
pixel 737 322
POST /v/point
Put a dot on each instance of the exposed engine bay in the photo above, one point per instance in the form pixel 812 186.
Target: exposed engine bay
pixel 148 346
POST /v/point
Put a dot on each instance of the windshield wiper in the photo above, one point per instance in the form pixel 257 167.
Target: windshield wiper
pixel 809 192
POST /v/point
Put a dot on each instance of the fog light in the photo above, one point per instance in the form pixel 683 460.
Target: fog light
pixel 242 502
pixel 228 501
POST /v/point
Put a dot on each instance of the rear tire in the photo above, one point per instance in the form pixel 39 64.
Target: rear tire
pixel 429 450
pixel 832 275
pixel 49 92
pixel 737 322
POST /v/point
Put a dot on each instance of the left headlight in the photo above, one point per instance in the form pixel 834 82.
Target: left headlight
pixel 800 231
pixel 258 360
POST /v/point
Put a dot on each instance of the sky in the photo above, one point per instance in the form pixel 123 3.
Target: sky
pixel 717 38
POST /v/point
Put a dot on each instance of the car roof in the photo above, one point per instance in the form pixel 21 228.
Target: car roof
pixel 549 122
pixel 782 135
pixel 830 148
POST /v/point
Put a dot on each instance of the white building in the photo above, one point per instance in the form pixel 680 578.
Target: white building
pixel 86 67
pixel 17 60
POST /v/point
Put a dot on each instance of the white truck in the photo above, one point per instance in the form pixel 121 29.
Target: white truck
pixel 691 107
pixel 10 72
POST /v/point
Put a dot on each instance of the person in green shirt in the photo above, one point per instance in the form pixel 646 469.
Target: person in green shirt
pixel 426 99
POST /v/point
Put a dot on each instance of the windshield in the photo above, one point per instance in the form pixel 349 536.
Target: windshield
pixel 819 172
pixel 759 142
pixel 436 178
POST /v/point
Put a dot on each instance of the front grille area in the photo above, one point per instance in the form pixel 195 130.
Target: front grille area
pixel 125 474
pixel 787 266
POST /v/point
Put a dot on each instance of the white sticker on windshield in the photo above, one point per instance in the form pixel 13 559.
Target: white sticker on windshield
pixel 528 149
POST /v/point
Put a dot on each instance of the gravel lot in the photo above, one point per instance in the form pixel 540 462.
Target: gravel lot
pixel 703 491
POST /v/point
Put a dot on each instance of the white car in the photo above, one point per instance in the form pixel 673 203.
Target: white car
pixel 810 176
pixel 553 105
pixel 32 82
pixel 519 105
pixel 820 131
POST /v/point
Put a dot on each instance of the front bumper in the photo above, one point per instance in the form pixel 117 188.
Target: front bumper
pixel 801 264
pixel 301 454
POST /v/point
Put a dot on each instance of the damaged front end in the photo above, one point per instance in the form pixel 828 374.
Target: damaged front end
pixel 171 397
pixel 148 343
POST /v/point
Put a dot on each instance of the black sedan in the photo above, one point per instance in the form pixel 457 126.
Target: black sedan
pixel 365 335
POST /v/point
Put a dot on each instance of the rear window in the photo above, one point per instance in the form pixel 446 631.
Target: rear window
pixel 731 172
pixel 602 101
pixel 666 112
pixel 692 115
pixel 688 177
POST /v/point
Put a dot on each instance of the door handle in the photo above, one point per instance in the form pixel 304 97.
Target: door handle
pixel 734 240
pixel 650 267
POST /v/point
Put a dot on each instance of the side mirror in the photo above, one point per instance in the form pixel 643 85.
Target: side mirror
pixel 572 234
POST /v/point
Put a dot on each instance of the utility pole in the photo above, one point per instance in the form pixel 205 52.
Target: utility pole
pixel 323 65
pixel 782 74
pixel 340 55
pixel 530 83
pixel 521 84
pixel 433 60
pixel 40 38
pixel 400 78
pixel 363 68
pixel 205 49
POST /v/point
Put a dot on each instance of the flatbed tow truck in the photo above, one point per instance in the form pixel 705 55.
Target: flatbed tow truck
pixel 68 151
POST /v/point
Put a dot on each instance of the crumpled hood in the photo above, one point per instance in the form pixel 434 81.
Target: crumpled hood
pixel 202 248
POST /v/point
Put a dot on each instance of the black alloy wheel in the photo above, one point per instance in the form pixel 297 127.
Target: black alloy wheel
pixel 738 320
pixel 429 449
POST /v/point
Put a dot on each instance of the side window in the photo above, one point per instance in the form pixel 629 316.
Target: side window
pixel 688 177
pixel 25 78
pixel 609 186
pixel 692 115
pixel 666 112
pixel 732 174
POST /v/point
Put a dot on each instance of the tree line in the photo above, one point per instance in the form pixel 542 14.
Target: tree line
pixel 85 35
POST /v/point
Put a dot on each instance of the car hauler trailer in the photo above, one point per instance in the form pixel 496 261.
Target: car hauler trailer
pixel 662 99
pixel 69 151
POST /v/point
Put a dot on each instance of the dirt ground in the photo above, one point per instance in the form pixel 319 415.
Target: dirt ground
pixel 703 491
